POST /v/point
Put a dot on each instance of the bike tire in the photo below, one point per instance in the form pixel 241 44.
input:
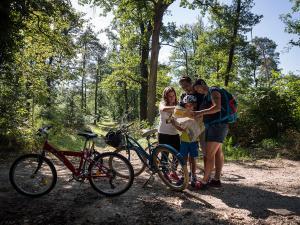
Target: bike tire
pixel 105 165
pixel 132 156
pixel 176 166
pixel 44 174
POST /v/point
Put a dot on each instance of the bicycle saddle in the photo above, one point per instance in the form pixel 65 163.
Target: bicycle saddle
pixel 147 132
pixel 87 135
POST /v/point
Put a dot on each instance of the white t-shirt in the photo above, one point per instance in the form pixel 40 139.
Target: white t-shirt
pixel 163 127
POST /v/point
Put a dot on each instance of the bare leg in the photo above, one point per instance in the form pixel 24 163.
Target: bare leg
pixel 219 162
pixel 186 159
pixel 203 147
pixel 193 164
pixel 211 149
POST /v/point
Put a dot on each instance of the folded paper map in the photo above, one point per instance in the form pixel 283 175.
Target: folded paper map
pixel 194 127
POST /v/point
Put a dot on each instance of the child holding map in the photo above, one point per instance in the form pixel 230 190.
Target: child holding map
pixel 190 129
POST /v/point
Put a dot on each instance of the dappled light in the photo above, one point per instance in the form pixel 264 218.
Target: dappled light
pixel 149 112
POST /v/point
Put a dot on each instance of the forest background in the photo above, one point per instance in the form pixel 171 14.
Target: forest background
pixel 54 69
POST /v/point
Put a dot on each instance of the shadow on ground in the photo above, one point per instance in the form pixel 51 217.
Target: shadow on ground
pixel 254 199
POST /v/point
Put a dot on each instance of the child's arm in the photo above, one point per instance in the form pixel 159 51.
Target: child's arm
pixel 176 125
pixel 167 108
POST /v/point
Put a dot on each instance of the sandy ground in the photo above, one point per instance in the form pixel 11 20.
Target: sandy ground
pixel 260 192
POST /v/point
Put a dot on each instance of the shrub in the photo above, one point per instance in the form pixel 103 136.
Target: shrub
pixel 263 114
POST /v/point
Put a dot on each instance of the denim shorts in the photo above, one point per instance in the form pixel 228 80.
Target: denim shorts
pixel 189 149
pixel 216 132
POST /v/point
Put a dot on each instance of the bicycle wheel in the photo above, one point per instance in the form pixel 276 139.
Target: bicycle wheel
pixel 111 174
pixel 33 175
pixel 170 169
pixel 132 156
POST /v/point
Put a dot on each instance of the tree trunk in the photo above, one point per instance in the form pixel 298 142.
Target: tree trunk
pixel 126 97
pixel 85 96
pixel 186 62
pixel 83 80
pixel 159 10
pixel 233 43
pixel 96 96
pixel 72 117
pixel 144 68
pixel 49 86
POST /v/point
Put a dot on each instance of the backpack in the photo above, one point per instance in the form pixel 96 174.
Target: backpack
pixel 231 107
pixel 228 112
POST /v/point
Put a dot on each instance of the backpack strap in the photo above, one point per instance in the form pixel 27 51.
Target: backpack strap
pixel 209 98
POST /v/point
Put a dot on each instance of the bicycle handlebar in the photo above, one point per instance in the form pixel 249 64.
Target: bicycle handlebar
pixel 125 127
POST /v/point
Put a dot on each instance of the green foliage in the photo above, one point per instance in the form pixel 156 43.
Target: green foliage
pixel 182 57
pixel 234 152
pixel 67 139
pixel 264 114
pixel 268 144
pixel 292 22
pixel 53 70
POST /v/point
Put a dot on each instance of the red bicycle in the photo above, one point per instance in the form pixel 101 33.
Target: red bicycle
pixel 109 173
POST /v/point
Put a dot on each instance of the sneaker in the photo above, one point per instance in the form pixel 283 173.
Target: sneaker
pixel 167 176
pixel 215 183
pixel 174 176
pixel 180 181
pixel 201 186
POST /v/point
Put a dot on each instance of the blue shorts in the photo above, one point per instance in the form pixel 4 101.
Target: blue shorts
pixel 216 132
pixel 189 149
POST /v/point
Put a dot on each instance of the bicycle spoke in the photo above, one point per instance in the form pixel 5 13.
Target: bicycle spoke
pixel 33 175
pixel 173 173
pixel 115 174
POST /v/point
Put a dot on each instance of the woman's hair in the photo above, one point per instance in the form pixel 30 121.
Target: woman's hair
pixel 199 82
pixel 166 91
pixel 185 79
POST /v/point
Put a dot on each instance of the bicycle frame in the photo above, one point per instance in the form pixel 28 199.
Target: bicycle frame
pixel 142 154
pixel 61 155
pixel 132 143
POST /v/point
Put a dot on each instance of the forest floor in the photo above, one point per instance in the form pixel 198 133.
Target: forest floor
pixel 253 192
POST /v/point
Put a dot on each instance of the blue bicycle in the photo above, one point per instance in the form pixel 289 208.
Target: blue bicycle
pixel 158 158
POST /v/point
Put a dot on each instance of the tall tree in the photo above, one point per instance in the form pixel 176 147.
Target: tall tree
pixel 268 58
pixel 35 51
pixel 184 49
pixel 237 19
pixel 155 9
pixel 159 8
pixel 292 22
pixel 88 41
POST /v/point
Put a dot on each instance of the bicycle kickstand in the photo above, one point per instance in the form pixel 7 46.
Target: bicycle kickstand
pixel 150 180
pixel 71 179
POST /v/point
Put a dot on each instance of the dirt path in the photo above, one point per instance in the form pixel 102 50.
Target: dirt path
pixel 251 192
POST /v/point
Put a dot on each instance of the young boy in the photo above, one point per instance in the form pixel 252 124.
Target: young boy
pixel 189 144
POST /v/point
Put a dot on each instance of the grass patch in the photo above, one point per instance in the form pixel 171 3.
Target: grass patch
pixel 67 139
pixel 235 152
